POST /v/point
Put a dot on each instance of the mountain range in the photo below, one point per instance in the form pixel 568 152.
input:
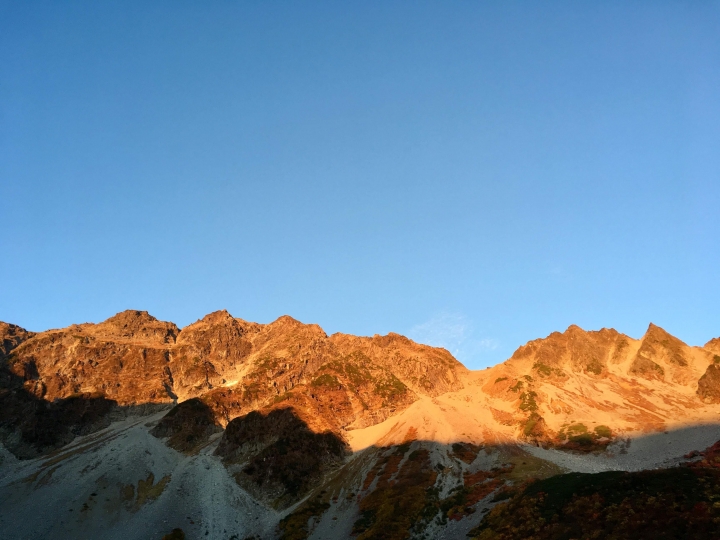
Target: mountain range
pixel 135 428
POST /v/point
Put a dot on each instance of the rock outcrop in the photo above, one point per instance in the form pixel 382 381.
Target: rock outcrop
pixel 188 426
pixel 11 336
pixel 558 390
pixel 232 366
pixel 713 345
pixel 124 358
pixel 277 456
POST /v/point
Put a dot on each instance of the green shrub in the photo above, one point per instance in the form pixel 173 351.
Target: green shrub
pixel 531 423
pixel 176 534
pixel 390 387
pixel 326 380
pixel 594 367
pixel 542 369
pixel 603 431
pixel 584 439
pixel 527 401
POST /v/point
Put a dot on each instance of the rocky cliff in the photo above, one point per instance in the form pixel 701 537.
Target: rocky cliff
pixel 232 366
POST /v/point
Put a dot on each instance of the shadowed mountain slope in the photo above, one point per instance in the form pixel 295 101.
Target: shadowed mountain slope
pixel 678 502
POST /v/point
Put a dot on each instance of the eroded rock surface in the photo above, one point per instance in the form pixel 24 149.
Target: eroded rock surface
pixel 234 366
pixel 277 455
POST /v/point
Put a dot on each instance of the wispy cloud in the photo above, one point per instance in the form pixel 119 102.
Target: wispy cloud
pixel 456 333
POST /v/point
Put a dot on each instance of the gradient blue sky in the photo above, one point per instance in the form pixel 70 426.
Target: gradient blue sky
pixel 471 174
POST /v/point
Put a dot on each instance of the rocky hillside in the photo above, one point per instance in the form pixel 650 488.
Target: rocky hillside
pixel 11 336
pixel 232 366
pixel 584 389
pixel 232 429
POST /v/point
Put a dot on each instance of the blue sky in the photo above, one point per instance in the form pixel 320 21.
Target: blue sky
pixel 471 174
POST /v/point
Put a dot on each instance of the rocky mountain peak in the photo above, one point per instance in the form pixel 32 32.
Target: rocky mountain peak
pixel 660 354
pixel 135 325
pixel 130 318
pixel 217 317
pixel 655 332
pixel 212 322
pixel 11 335
pixel 390 340
pixel 713 345
pixel 285 329
pixel 286 324
pixel 286 320
pixel 574 329
pixel 575 350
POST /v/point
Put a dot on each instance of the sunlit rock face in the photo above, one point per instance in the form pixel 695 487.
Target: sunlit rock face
pixel 11 336
pixel 345 383
pixel 124 358
pixel 233 366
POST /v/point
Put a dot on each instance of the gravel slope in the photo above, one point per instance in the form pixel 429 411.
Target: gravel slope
pixel 650 451
pixel 83 492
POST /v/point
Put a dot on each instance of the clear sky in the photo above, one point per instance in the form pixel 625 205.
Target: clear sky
pixel 470 174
